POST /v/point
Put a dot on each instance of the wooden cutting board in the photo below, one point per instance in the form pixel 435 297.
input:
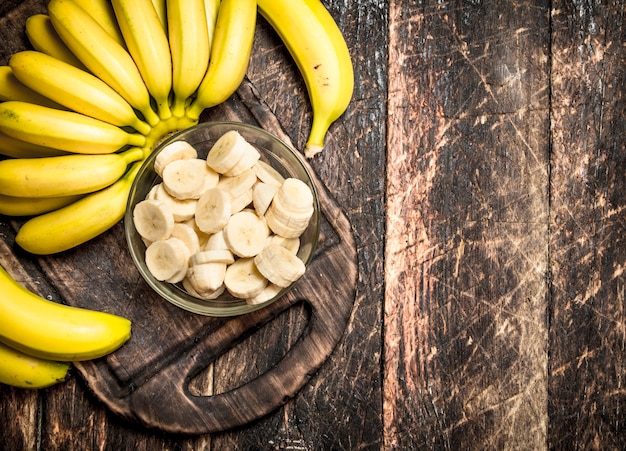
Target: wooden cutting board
pixel 147 380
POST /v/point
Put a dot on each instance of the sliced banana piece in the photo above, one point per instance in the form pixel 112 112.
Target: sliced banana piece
pixel 238 184
pixel 267 174
pixel 216 241
pixel 153 220
pixel 241 202
pixel 207 277
pixel 187 235
pixel 178 150
pixel 213 210
pixel 168 259
pixel 188 178
pixel 243 279
pixel 278 265
pixel 227 151
pixel 269 292
pixel 182 209
pixel 200 294
pixel 295 195
pixel 291 244
pixel 249 158
pixel 212 256
pixel 245 233
pixel 262 195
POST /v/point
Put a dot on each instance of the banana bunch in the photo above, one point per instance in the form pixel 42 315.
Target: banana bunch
pixel 107 80
pixel 39 338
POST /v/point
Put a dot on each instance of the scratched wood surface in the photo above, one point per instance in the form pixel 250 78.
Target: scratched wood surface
pixel 483 171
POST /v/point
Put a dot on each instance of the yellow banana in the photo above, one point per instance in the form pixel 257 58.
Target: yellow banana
pixel 64 130
pixel 44 38
pixel 101 54
pixel 66 175
pixel 230 55
pixel 190 48
pixel 16 148
pixel 30 206
pixel 147 43
pixel 49 330
pixel 102 12
pixel 80 221
pixel 25 371
pixel 211 7
pixel 316 44
pixel 13 89
pixel 75 89
pixel 161 9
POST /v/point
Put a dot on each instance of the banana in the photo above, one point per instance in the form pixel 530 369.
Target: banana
pixel 188 284
pixel 78 222
pixel 245 234
pixel 291 209
pixel 230 54
pixel 239 184
pixel 168 260
pixel 267 174
pixel 182 209
pixel 211 8
pixel 64 130
pixel 75 89
pixel 176 150
pixel 161 9
pixel 25 371
pixel 102 12
pixel 227 151
pixel 49 330
pixel 212 256
pixel 101 54
pixel 79 174
pixel 148 45
pixel 17 148
pixel 262 195
pixel 31 206
pixel 44 38
pixel 190 48
pixel 189 178
pixel 243 279
pixel 153 220
pixel 213 210
pixel 13 89
pixel 319 50
pixel 207 277
pixel 187 234
pixel 269 292
pixel 278 265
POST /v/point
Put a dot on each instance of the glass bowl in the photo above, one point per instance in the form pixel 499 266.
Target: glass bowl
pixel 202 136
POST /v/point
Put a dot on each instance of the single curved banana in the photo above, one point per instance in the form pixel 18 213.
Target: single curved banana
pixel 66 175
pixel 13 89
pixel 148 45
pixel 31 206
pixel 102 12
pixel 25 371
pixel 211 8
pixel 101 54
pixel 75 89
pixel 50 330
pixel 190 48
pixel 161 9
pixel 44 38
pixel 64 130
pixel 78 222
pixel 17 148
pixel 316 44
pixel 230 55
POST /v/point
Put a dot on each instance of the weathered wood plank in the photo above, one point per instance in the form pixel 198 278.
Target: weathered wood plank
pixel 587 334
pixel 466 256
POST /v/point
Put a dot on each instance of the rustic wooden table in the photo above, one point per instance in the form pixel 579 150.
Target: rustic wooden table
pixel 481 166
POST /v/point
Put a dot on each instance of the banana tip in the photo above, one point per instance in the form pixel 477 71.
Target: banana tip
pixel 312 149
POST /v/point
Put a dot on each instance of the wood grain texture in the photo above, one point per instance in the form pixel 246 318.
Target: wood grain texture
pixel 588 326
pixel 466 256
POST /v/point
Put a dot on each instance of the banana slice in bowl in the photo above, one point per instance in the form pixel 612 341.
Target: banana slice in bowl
pixel 250 199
